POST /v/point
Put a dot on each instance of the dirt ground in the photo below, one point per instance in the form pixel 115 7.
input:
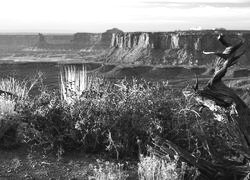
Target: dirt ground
pixel 21 163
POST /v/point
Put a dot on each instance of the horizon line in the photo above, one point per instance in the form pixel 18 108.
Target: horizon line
pixel 69 33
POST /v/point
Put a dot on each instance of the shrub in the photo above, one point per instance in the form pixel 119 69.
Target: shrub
pixel 21 89
pixel 120 118
pixel 107 117
pixel 107 171
pixel 154 168
pixel 10 127
pixel 20 93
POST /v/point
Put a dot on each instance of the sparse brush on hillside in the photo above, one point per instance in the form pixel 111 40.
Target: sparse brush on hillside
pixel 17 93
pixel 18 88
pixel 120 119
pixel 108 117
pixel 112 117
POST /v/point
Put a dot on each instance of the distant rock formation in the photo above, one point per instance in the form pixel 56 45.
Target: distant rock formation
pixel 113 31
pixel 79 41
pixel 41 41
pixel 94 41
pixel 167 48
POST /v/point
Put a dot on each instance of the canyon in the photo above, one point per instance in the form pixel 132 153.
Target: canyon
pixel 118 54
pixel 171 48
pixel 118 47
pixel 148 48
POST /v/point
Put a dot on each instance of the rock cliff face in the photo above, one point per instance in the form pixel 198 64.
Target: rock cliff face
pixel 171 48
pixel 79 41
pixel 166 48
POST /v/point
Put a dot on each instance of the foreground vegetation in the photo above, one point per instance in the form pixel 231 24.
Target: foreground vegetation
pixel 118 119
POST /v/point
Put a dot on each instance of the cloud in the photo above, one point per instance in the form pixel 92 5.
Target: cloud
pixel 130 15
pixel 197 3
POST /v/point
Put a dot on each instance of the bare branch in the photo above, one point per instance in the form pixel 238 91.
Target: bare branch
pixel 229 50
pixel 223 41
pixel 228 55
pixel 220 54
pixel 222 72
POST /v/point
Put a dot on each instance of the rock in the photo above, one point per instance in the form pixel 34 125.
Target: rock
pixel 168 48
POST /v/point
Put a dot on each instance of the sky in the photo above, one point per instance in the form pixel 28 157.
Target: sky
pixel 70 16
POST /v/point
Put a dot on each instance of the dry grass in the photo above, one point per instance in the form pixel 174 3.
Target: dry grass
pixel 19 88
pixel 7 106
pixel 9 121
pixel 154 168
pixel 107 171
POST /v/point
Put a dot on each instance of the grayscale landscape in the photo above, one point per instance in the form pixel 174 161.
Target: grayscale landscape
pixel 159 93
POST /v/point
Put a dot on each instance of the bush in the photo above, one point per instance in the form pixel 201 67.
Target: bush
pixel 120 118
pixel 108 117
pixel 11 124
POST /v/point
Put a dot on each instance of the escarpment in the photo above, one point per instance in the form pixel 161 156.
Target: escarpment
pixel 168 48
pixel 79 41
pixel 145 48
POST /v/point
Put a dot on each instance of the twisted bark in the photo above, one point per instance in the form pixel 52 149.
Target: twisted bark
pixel 217 96
pixel 216 93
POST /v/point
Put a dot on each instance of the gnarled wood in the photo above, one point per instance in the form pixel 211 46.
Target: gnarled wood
pixel 218 97
pixel 209 171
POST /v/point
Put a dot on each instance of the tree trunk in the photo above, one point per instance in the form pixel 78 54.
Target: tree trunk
pixel 216 94
pixel 219 99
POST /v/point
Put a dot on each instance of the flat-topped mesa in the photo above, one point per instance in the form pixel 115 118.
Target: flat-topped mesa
pixel 168 48
pixel 173 48
pixel 79 41
pixel 94 40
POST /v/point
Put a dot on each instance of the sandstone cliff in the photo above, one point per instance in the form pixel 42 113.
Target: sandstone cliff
pixel 85 42
pixel 171 48
pixel 147 48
